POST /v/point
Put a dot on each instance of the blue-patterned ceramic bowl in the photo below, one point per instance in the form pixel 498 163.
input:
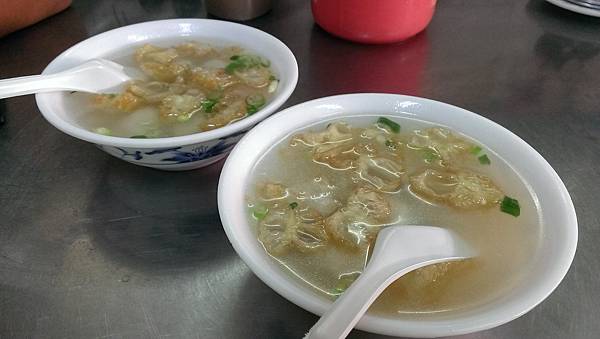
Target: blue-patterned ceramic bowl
pixel 174 153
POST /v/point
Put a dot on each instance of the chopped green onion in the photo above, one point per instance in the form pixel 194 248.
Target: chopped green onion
pixel 510 206
pixel 272 77
pixel 208 104
pixel 293 205
pixel 484 160
pixel 229 69
pixel 251 109
pixel 391 144
pixel 344 281
pixel 337 291
pixel 254 102
pixel 103 131
pixel 475 150
pixel 430 155
pixel 141 136
pixel 184 117
pixel 273 86
pixel 240 62
pixel 259 212
pixel 393 126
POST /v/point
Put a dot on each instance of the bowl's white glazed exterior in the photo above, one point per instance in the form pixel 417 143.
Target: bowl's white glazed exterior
pixel 183 152
pixel 558 240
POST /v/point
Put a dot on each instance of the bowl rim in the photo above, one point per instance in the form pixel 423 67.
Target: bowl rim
pixel 275 278
pixel 290 69
pixel 565 4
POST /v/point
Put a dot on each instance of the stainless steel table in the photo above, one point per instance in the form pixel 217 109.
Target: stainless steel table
pixel 93 247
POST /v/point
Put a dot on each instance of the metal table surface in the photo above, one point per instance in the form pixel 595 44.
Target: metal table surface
pixel 94 247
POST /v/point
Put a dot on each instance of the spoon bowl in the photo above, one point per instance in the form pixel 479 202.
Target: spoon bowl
pixel 398 250
pixel 93 76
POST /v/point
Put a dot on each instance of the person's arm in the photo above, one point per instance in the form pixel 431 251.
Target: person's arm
pixel 16 14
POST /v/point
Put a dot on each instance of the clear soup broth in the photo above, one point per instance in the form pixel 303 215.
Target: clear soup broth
pixel 320 196
pixel 180 87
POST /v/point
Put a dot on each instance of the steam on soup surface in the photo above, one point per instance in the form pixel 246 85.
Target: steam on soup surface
pixel 322 195
pixel 187 88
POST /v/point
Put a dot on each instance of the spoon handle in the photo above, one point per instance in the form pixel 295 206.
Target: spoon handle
pixel 347 310
pixel 398 250
pixel 32 84
pixel 94 76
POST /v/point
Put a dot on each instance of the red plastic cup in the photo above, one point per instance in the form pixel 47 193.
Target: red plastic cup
pixel 377 22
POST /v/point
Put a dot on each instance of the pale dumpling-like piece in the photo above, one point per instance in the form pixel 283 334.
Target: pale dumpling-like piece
pixel 257 77
pixel 274 234
pixel 151 53
pixel 356 224
pixel 460 189
pixel 283 230
pixel 431 273
pixel 235 111
pixel 159 63
pixel 416 282
pixel 179 105
pixel 333 147
pixel 348 155
pixel 335 133
pixel 163 72
pixel 193 49
pixel 211 79
pixel 445 145
pixel 155 91
pixel 339 156
pixel 383 173
pixel 318 195
pixel 125 102
pixel 376 208
pixel 272 191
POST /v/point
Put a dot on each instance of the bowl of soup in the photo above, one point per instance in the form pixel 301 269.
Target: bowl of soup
pixel 197 86
pixel 303 195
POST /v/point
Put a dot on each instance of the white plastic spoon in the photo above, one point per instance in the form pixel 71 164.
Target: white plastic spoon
pixel 398 250
pixel 94 76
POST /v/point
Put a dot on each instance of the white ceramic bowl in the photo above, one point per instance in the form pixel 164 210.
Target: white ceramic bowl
pixel 572 6
pixel 183 152
pixel 559 231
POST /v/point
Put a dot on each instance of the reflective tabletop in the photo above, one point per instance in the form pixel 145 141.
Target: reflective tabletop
pixel 94 247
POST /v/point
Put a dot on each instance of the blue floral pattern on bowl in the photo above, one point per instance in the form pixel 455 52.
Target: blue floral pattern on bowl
pixel 180 157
